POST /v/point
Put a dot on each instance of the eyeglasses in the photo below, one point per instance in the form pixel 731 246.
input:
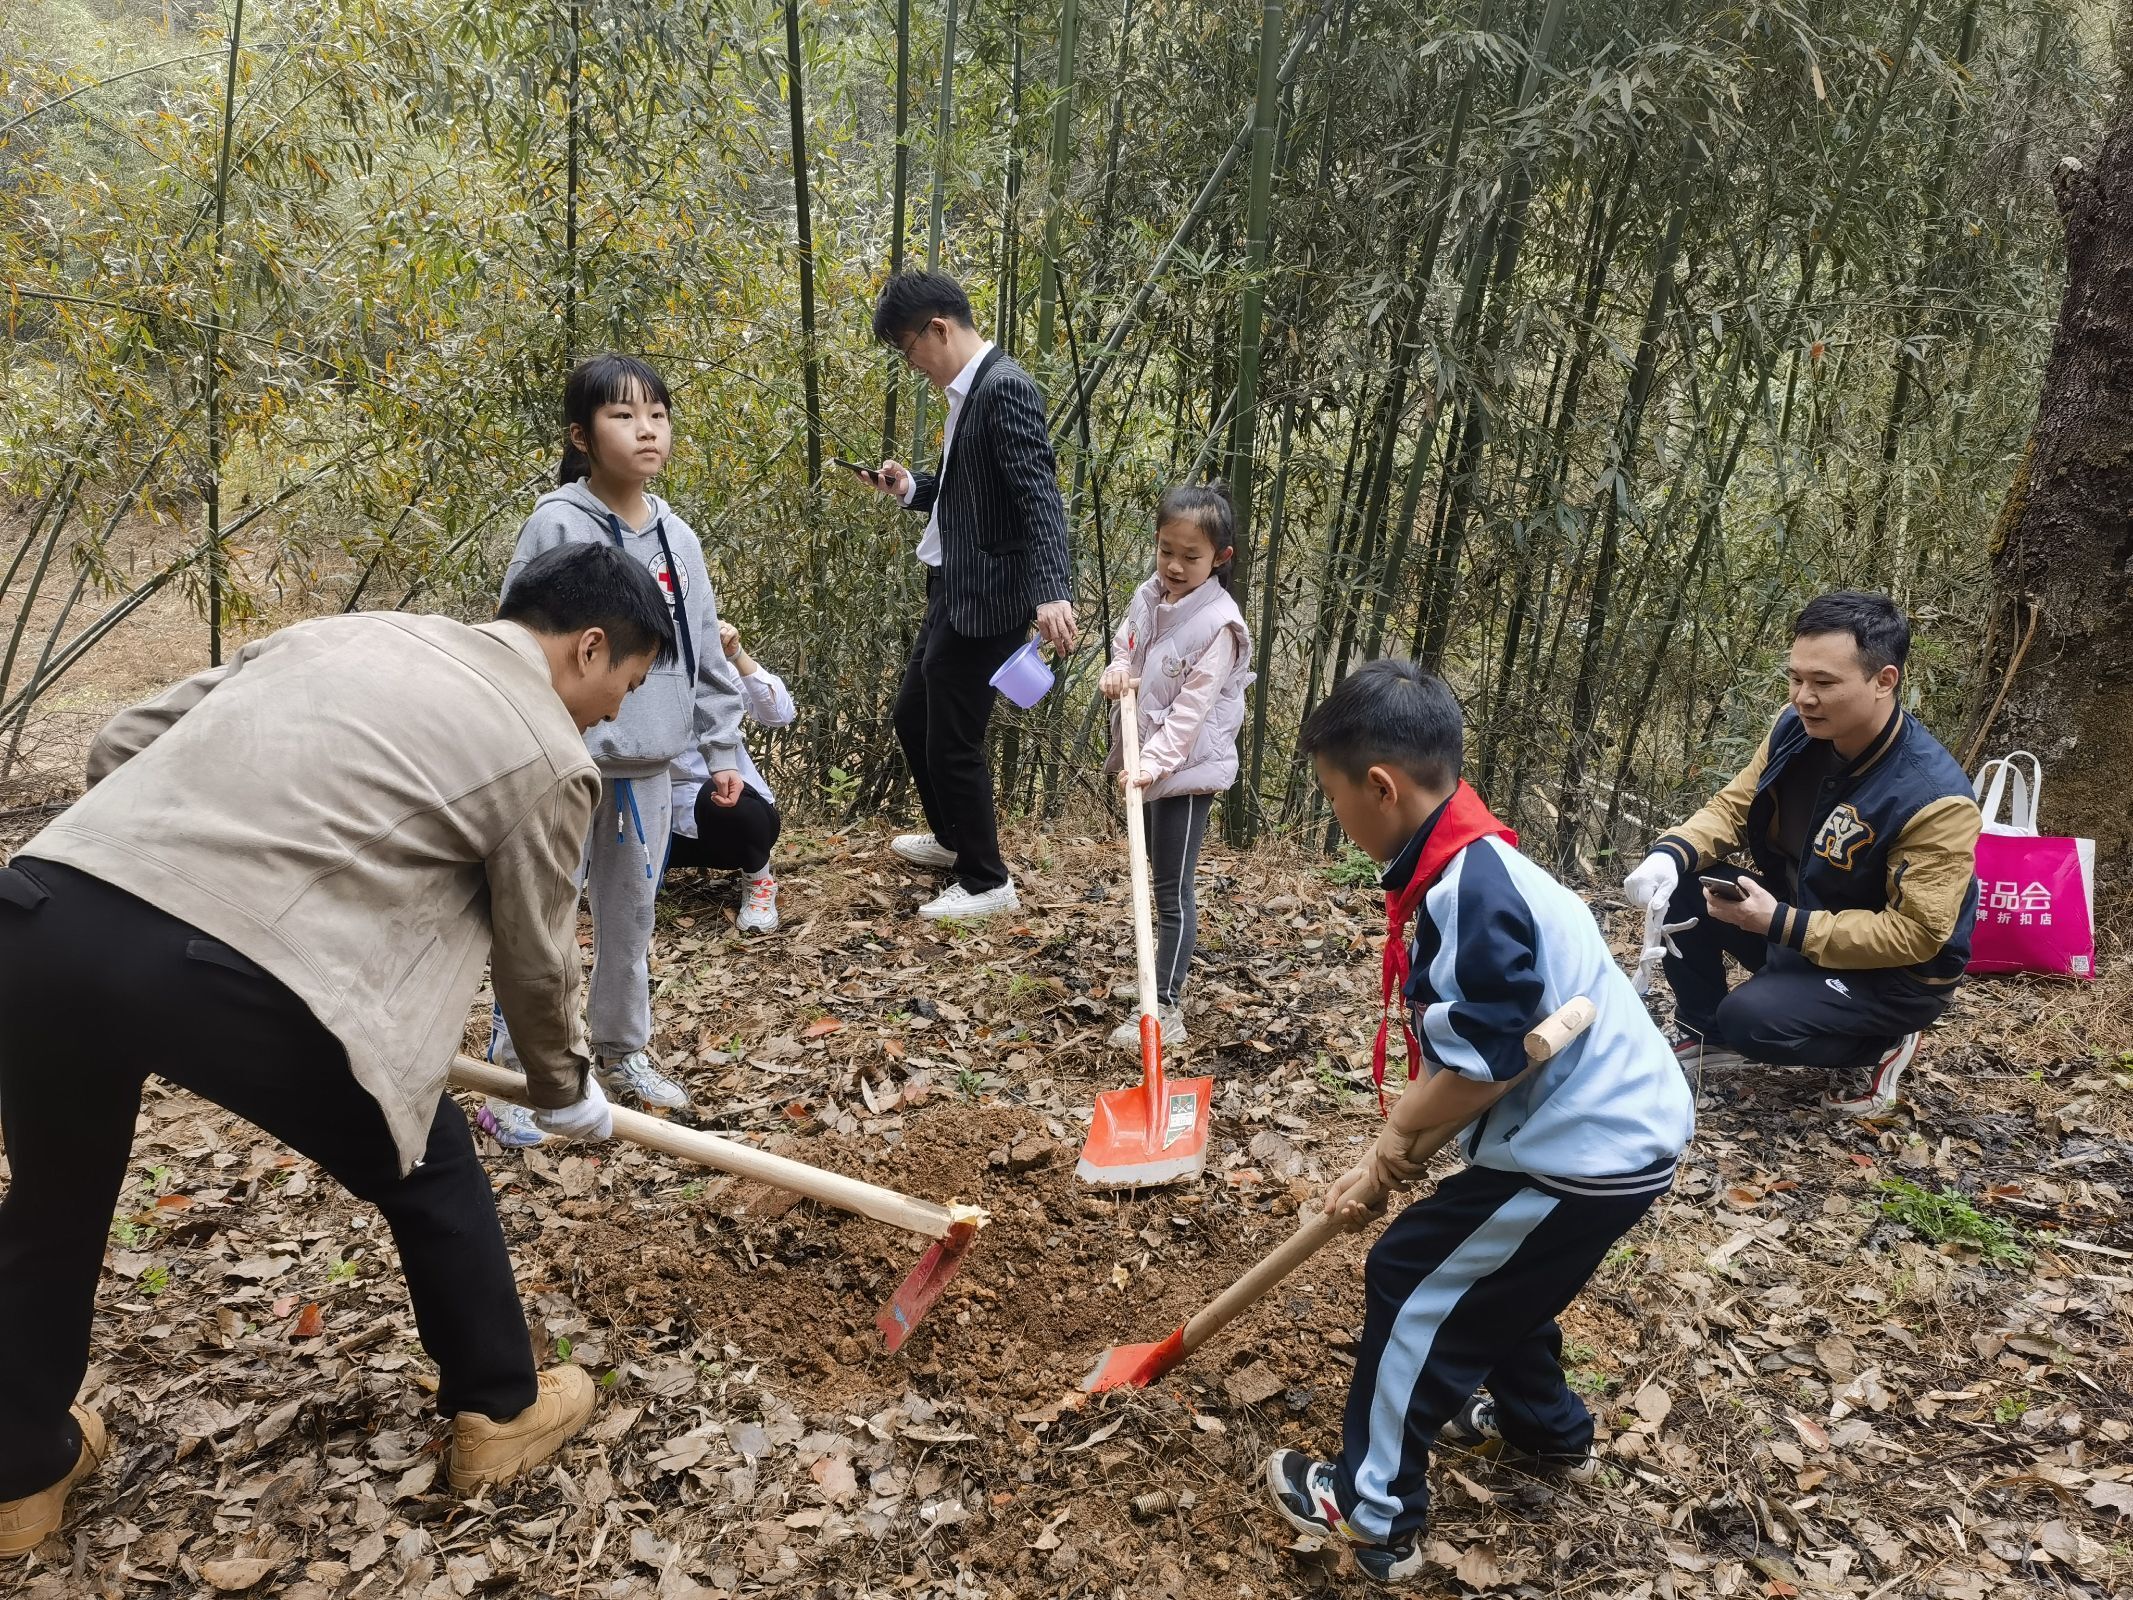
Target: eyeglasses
pixel 904 347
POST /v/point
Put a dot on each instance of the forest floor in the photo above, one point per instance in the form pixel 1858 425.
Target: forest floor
pixel 1814 1375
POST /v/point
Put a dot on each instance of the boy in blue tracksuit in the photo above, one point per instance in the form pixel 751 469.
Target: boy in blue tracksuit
pixel 1463 1287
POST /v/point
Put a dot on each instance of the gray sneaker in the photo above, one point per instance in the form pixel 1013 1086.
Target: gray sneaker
pixel 1127 1035
pixel 635 1076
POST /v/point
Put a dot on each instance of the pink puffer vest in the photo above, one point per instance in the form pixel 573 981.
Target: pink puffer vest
pixel 1163 643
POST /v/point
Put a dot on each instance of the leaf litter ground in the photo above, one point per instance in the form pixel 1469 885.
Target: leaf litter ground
pixel 1841 1359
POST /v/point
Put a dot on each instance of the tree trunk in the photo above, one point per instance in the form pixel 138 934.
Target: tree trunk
pixel 2064 545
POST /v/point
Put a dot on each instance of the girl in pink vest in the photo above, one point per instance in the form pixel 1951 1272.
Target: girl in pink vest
pixel 1183 644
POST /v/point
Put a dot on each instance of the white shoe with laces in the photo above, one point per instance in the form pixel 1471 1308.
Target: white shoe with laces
pixel 635 1076
pixel 510 1125
pixel 922 850
pixel 1171 1019
pixel 1872 1092
pixel 961 904
pixel 759 912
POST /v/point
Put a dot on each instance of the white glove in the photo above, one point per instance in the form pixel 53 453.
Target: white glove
pixel 1658 944
pixel 1654 882
pixel 588 1118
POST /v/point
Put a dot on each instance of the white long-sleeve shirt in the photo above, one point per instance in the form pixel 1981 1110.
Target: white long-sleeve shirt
pixel 765 701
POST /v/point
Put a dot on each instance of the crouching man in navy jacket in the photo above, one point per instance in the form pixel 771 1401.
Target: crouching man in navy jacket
pixel 1855 911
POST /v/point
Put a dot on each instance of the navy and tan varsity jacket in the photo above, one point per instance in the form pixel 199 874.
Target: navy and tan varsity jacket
pixel 1887 876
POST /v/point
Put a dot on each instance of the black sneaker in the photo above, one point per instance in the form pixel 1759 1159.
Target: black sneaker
pixel 1474 1427
pixel 1302 1491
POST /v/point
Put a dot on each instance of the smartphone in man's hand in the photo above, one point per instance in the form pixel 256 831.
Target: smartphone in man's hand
pixel 867 473
pixel 1724 888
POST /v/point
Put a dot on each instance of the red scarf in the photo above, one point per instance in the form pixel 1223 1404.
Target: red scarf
pixel 1463 820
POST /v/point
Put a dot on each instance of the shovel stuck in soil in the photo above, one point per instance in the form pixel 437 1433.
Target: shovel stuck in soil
pixel 950 1227
pixel 1156 1132
pixel 1138 1365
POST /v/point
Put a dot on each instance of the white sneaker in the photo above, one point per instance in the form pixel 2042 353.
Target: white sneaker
pixel 1127 1035
pixel 923 850
pixel 759 912
pixel 1872 1093
pixel 635 1076
pixel 960 903
pixel 510 1125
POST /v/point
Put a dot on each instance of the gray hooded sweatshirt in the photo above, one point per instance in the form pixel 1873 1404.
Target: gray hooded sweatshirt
pixel 674 710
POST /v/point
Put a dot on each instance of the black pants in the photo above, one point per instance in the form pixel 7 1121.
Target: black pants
pixel 1462 1289
pixel 942 709
pixel 735 838
pixel 97 991
pixel 1177 826
pixel 1790 1012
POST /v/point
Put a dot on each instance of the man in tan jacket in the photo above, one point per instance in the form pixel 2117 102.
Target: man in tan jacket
pixel 279 893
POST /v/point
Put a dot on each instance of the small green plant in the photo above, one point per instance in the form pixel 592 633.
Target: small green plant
pixel 968 1083
pixel 841 793
pixel 1352 869
pixel 341 1272
pixel 1329 1081
pixel 1022 983
pixel 1622 1256
pixel 127 1232
pixel 563 1347
pixel 693 1189
pixel 1950 1216
pixel 2011 1407
pixel 155 1280
pixel 1590 1381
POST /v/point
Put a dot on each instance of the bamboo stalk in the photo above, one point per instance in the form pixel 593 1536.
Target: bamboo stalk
pixel 796 95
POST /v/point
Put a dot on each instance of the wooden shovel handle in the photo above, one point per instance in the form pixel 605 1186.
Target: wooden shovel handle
pixel 742 1160
pixel 1129 740
pixel 1303 1244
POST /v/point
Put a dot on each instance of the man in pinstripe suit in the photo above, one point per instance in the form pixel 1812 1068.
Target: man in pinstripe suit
pixel 996 552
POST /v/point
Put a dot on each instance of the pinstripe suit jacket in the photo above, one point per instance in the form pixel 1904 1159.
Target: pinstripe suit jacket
pixel 1003 528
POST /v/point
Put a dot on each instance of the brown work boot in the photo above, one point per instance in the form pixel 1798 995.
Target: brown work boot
pixel 27 1523
pixel 489 1452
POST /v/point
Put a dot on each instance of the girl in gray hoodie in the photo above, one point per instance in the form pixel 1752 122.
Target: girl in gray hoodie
pixel 619 433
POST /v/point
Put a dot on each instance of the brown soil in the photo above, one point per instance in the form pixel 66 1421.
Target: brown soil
pixel 1796 1392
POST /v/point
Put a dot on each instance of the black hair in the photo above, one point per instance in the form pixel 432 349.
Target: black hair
pixel 1389 713
pixel 602 381
pixel 1209 506
pixel 910 300
pixel 578 586
pixel 1880 630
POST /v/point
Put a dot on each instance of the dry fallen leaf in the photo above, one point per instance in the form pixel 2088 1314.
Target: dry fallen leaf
pixel 1653 1404
pixel 239 1572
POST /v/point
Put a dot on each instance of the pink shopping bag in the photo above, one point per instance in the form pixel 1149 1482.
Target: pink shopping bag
pixel 2035 909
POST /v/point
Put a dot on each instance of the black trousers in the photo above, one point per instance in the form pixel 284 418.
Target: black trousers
pixel 1789 1012
pixel 942 710
pixel 1462 1289
pixel 735 838
pixel 1177 826
pixel 97 991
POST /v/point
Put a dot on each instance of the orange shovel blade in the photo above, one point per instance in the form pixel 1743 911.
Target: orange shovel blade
pixel 1135 1366
pixel 915 1295
pixel 1124 1150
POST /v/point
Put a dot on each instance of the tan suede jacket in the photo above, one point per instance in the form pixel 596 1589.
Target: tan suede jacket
pixel 370 807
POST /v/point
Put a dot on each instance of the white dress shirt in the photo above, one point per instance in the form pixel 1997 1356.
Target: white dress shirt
pixel 929 542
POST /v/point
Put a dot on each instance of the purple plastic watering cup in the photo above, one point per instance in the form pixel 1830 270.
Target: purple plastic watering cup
pixel 1023 677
